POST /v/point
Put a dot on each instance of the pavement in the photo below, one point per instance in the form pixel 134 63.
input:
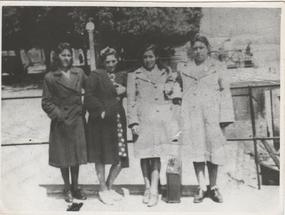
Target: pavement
pixel 30 184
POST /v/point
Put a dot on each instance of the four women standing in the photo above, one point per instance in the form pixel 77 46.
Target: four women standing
pixel 150 115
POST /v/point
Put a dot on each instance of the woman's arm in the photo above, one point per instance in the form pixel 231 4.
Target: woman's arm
pixel 48 105
pixel 131 100
pixel 91 100
pixel 226 101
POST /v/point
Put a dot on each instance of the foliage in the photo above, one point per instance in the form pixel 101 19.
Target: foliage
pixel 127 27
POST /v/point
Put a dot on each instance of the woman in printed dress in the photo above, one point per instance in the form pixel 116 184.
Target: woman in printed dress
pixel 106 127
pixel 150 118
pixel 62 102
pixel 206 102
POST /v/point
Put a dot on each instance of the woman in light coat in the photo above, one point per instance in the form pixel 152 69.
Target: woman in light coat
pixel 151 118
pixel 206 102
pixel 61 101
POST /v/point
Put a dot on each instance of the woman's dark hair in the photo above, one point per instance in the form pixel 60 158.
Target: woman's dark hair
pixel 108 51
pixel 150 47
pixel 202 39
pixel 61 46
pixel 156 51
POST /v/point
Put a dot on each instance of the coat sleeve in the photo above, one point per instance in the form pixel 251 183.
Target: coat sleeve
pixel 48 105
pixel 226 101
pixel 91 101
pixel 131 100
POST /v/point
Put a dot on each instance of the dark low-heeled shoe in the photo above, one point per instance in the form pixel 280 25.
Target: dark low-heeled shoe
pixel 68 196
pixel 199 196
pixel 215 195
pixel 79 194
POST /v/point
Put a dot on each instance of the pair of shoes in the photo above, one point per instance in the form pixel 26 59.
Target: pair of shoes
pixel 67 195
pixel 106 197
pixel 78 194
pixel 199 195
pixel 75 207
pixel 215 195
pixel 115 196
pixel 146 196
pixel 153 200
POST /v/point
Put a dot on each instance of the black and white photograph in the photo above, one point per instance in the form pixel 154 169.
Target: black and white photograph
pixel 142 107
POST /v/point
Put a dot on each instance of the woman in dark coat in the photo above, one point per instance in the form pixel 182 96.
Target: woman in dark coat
pixel 106 127
pixel 61 101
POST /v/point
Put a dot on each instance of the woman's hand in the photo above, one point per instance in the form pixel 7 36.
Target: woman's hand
pixel 120 89
pixel 103 114
pixel 135 130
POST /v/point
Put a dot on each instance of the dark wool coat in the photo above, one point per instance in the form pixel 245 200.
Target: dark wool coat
pixel 102 139
pixel 62 102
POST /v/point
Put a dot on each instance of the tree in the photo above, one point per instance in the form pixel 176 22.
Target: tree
pixel 121 27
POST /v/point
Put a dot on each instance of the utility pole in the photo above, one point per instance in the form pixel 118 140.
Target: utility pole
pixel 90 29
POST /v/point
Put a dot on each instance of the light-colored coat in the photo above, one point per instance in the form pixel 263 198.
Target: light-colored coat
pixel 151 110
pixel 206 102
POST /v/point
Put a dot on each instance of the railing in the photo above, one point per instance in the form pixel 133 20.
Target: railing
pixel 254 138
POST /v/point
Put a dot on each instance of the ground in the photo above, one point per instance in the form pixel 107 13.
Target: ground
pixel 28 183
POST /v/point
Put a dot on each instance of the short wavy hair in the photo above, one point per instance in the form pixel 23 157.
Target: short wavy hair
pixel 150 47
pixel 202 39
pixel 61 46
pixel 104 53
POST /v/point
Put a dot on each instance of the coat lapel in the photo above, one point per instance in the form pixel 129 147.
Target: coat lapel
pixel 69 84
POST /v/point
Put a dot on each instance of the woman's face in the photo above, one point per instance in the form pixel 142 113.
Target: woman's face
pixel 149 59
pixel 65 58
pixel 200 52
pixel 110 63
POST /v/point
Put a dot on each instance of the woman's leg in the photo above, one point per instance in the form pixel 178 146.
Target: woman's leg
pixel 74 176
pixel 213 174
pixel 155 171
pixel 146 172
pixel 65 176
pixel 104 195
pixel 113 174
pixel 76 192
pixel 67 190
pixel 100 170
pixel 200 175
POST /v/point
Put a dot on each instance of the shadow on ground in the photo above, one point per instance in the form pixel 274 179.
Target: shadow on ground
pixel 56 190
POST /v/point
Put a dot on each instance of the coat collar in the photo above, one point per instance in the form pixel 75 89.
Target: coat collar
pixel 208 68
pixel 146 75
pixel 69 84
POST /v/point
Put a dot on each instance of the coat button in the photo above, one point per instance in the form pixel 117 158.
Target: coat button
pixel 157 111
pixel 66 117
pixel 65 108
pixel 156 99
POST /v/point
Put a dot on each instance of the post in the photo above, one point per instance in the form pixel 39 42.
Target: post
pixel 90 29
pixel 252 117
